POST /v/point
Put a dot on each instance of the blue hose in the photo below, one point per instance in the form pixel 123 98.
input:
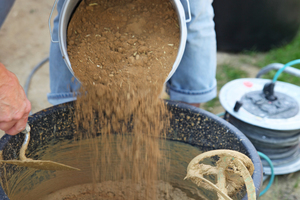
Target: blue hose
pixel 28 80
pixel 272 172
pixel 220 114
pixel 294 62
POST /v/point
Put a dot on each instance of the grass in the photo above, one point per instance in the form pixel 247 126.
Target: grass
pixel 296 185
pixel 283 55
pixel 225 73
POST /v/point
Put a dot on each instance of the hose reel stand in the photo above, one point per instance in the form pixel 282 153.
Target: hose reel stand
pixel 268 114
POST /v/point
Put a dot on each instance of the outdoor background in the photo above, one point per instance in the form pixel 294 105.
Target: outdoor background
pixel 25 41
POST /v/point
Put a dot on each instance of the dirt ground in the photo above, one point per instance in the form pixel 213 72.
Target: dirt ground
pixel 25 41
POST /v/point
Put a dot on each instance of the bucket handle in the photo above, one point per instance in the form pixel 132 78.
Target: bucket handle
pixel 49 22
pixel 189 11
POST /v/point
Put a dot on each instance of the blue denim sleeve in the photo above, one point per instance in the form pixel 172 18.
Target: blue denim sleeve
pixel 5 6
pixel 194 80
pixel 63 85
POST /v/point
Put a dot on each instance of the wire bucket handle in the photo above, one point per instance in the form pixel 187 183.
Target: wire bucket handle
pixel 189 12
pixel 49 21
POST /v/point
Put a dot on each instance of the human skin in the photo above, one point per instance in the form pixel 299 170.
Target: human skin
pixel 195 104
pixel 14 105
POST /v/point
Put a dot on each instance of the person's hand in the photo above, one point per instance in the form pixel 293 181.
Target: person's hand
pixel 14 105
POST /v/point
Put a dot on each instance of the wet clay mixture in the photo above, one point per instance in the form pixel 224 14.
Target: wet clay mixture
pixel 116 191
pixel 122 51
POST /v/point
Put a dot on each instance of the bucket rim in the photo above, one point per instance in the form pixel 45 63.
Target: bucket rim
pixel 65 16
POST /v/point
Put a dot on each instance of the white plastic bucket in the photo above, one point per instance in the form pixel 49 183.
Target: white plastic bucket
pixel 70 5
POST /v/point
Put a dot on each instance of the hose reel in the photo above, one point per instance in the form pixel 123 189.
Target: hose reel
pixel 267 112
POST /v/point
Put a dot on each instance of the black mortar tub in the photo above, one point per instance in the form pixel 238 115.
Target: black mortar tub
pixel 53 127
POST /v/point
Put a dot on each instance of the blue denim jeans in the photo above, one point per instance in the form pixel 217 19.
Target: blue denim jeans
pixel 194 80
pixel 63 85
